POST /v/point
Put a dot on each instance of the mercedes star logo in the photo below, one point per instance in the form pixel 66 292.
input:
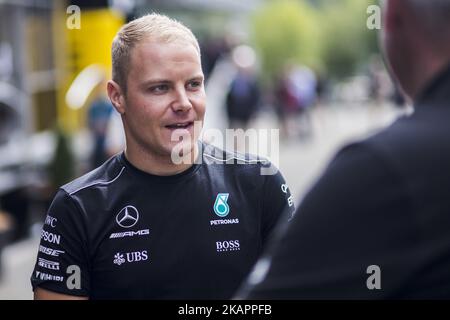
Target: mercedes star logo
pixel 127 217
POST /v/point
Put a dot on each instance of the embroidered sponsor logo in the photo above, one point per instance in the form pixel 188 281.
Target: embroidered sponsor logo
pixel 50 251
pixel 50 237
pixel 118 259
pixel 51 221
pixel 49 277
pixel 290 201
pixel 224 221
pixel 228 245
pixel 143 232
pixel 130 257
pixel 127 217
pixel 221 207
pixel 44 263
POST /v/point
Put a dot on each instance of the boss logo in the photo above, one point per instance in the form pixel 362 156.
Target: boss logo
pixel 228 245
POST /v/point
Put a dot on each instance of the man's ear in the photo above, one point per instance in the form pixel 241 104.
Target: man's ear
pixel 116 96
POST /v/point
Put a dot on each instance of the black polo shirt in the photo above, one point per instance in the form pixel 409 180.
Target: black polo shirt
pixel 118 232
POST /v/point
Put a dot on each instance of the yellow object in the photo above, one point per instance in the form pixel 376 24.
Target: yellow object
pixel 90 44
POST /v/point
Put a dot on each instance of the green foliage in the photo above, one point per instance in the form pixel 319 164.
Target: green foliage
pixel 62 166
pixel 287 31
pixel 347 40
pixel 331 36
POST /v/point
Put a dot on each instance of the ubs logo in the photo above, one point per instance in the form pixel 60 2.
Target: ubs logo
pixel 130 257
pixel 127 217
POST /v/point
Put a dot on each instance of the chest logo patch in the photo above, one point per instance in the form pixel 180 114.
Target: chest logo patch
pixel 127 217
pixel 221 207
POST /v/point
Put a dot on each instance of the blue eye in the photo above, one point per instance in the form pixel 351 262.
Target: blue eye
pixel 159 88
pixel 195 84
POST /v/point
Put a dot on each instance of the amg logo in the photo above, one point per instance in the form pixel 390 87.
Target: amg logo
pixel 142 232
pixel 53 265
pixel 51 277
pixel 50 251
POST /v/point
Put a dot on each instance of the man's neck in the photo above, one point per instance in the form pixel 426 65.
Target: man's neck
pixel 160 165
pixel 426 73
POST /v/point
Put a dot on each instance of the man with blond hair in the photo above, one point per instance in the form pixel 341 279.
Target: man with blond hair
pixel 170 217
pixel 377 223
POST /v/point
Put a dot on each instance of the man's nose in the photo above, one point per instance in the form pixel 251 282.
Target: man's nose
pixel 182 102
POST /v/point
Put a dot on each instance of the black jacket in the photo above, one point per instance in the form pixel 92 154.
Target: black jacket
pixel 378 217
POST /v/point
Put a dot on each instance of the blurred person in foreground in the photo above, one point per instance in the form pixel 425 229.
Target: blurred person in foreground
pixel 146 225
pixel 99 115
pixel 376 225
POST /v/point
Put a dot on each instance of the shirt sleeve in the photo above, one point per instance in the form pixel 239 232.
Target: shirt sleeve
pixel 62 263
pixel 278 204
pixel 356 217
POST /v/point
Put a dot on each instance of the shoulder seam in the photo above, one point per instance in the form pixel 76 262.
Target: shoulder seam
pixel 234 157
pixel 80 212
pixel 98 183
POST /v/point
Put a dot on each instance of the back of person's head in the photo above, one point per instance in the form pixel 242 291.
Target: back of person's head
pixel 151 27
pixel 434 17
pixel 416 41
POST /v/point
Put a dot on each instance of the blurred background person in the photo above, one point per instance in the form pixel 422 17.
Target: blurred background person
pixel 213 49
pixel 243 98
pixel 99 115
pixel 295 93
